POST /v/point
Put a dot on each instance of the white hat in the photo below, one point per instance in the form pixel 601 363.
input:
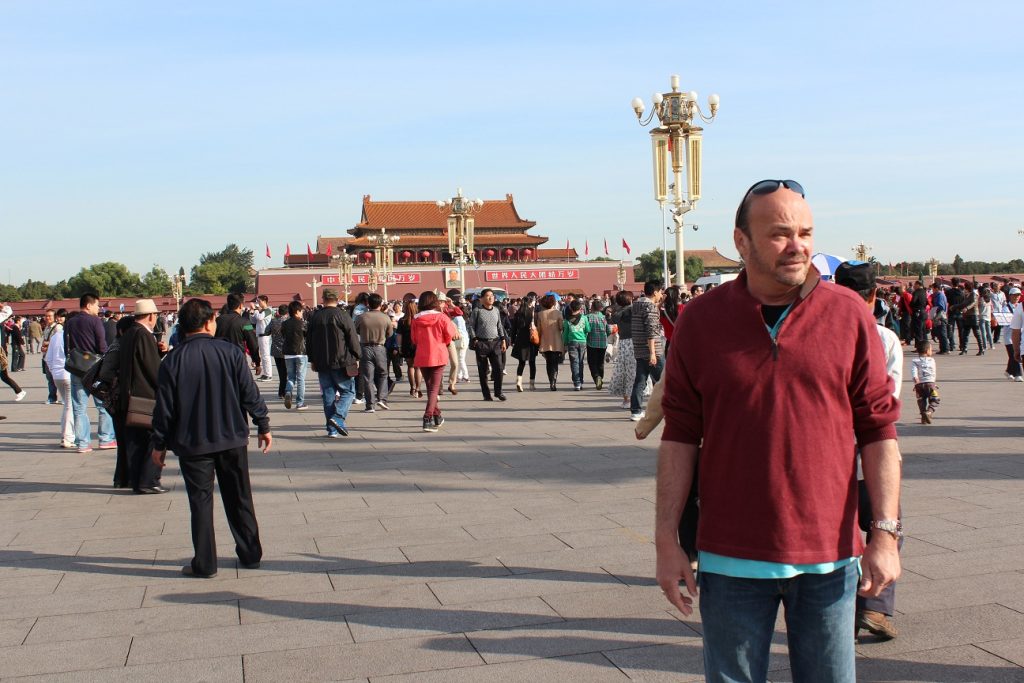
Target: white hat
pixel 145 307
pixel 1014 290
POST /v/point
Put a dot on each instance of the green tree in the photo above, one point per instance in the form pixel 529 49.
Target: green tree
pixel 693 268
pixel 156 283
pixel 602 258
pixel 34 289
pixel 108 279
pixel 9 293
pixel 649 266
pixel 958 265
pixel 228 270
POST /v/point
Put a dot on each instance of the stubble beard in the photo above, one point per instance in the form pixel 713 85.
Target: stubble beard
pixel 783 277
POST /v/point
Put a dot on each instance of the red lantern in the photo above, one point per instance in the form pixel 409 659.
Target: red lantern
pixel 527 253
pixel 509 252
pixel 406 255
pixel 425 254
pixel 367 255
pixel 489 253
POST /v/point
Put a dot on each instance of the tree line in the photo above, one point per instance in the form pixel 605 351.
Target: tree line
pixel 228 271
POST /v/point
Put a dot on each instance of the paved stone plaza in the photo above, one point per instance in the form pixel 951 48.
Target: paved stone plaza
pixel 513 545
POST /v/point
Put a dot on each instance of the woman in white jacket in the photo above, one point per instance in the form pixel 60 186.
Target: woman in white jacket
pixel 55 358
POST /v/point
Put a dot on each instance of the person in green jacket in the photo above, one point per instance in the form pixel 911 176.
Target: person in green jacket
pixel 574 334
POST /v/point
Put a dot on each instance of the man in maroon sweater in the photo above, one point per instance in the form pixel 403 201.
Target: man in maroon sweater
pixel 776 377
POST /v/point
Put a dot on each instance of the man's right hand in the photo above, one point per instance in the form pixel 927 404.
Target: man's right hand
pixel 672 566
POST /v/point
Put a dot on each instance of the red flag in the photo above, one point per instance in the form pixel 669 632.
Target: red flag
pixel 328 251
pixel 586 247
pixel 606 246
pixel 626 246
pixel 268 249
pixel 287 251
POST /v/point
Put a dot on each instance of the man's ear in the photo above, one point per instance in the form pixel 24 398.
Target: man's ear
pixel 741 241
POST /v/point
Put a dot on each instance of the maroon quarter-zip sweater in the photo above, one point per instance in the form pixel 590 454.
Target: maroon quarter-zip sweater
pixel 777 424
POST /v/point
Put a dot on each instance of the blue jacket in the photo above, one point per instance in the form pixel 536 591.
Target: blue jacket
pixel 204 391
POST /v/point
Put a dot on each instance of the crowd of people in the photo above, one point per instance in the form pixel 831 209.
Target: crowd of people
pixel 732 393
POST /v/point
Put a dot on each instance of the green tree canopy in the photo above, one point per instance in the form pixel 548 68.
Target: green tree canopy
pixel 649 266
pixel 107 279
pixel 223 272
pixel 9 293
pixel 156 283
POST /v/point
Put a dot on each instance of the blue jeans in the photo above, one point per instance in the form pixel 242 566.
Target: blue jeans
pixel 739 621
pixel 339 390
pixel 577 353
pixel 296 384
pixel 644 370
pixel 80 406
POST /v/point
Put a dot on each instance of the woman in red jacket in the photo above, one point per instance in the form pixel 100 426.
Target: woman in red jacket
pixel 432 331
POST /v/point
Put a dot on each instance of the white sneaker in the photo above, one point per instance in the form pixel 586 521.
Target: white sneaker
pixel 625 405
pixel 20 395
pixel 1018 379
pixel 636 417
pixel 357 402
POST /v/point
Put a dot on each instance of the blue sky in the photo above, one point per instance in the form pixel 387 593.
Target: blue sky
pixel 149 133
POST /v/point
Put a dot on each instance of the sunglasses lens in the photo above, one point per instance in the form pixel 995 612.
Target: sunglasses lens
pixel 765 187
pixel 795 186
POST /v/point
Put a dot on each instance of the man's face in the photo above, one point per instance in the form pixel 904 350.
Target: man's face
pixel 49 317
pixel 93 308
pixel 487 299
pixel 777 252
pixel 697 291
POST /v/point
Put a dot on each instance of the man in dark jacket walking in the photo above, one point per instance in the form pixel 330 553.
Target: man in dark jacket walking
pixel 204 391
pixel 332 346
pixel 236 329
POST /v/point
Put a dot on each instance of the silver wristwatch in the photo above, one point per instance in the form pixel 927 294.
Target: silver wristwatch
pixel 893 527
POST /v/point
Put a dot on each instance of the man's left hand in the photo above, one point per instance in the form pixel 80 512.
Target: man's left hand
pixel 158 458
pixel 880 566
pixel 503 346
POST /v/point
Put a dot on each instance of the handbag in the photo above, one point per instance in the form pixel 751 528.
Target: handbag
pixel 79 362
pixel 140 412
pixel 534 335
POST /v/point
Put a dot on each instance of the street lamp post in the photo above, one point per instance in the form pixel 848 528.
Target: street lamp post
pixel 178 286
pixel 383 258
pixel 461 227
pixel 677 137
pixel 344 263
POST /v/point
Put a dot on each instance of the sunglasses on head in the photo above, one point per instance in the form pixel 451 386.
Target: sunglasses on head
pixel 769 186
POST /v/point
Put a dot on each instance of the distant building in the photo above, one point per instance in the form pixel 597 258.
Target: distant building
pixel 506 255
pixel 714 261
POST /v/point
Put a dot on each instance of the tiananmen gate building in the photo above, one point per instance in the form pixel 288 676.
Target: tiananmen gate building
pixel 506 256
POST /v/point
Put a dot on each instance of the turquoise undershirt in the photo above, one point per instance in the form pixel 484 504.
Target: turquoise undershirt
pixel 756 569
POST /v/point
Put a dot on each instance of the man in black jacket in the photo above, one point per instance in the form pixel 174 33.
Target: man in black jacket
pixel 204 391
pixel 138 365
pixel 332 346
pixel 239 331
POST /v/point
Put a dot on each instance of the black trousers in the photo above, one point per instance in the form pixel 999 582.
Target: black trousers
pixel 970 324
pixel 885 602
pixel 532 361
pixel 488 352
pixel 595 361
pixel 142 471
pixel 9 382
pixel 552 359
pixel 282 375
pixel 232 470
pixel 122 478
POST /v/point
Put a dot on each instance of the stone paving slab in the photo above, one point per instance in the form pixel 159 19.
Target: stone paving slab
pixel 515 544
